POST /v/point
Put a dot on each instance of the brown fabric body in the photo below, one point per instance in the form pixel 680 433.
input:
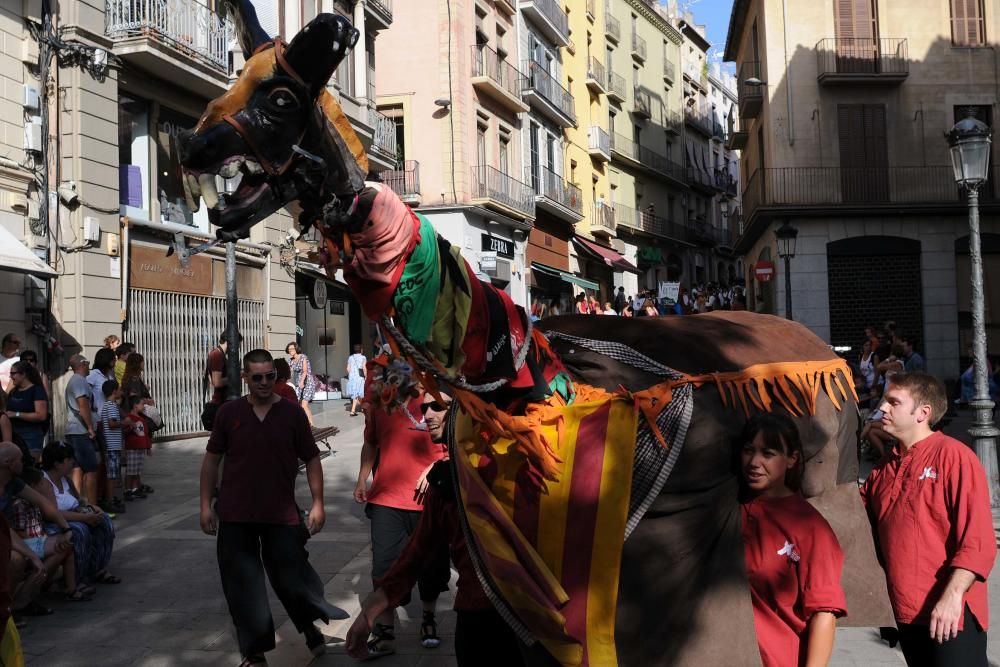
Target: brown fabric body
pixel 684 597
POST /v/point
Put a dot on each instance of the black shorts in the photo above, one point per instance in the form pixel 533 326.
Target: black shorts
pixel 391 530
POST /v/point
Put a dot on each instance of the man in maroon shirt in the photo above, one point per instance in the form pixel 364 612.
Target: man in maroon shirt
pixel 928 502
pixel 262 438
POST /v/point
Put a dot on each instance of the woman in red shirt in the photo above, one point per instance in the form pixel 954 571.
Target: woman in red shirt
pixel 792 556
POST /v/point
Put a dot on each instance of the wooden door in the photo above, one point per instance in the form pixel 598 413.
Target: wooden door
pixel 864 153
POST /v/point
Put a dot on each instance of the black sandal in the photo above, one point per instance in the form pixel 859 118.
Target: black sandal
pixel 79 595
pixel 107 578
pixel 256 659
pixel 34 609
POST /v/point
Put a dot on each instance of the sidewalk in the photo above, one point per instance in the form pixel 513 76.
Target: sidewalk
pixel 169 611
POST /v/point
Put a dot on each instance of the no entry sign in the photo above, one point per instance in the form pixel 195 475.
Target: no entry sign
pixel 763 270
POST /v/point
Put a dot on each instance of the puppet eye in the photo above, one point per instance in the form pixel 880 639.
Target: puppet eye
pixel 283 99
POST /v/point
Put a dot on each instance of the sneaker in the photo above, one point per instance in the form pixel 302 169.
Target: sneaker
pixel 382 642
pixel 137 493
pixel 428 631
pixel 315 641
pixel 128 496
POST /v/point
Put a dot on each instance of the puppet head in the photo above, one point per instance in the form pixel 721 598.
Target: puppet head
pixel 277 128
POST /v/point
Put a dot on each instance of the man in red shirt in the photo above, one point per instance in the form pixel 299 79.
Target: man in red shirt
pixel 405 453
pixel 928 502
pixel 263 437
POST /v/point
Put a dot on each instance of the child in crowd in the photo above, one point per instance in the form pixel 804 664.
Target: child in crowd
pixel 138 445
pixel 28 525
pixel 111 427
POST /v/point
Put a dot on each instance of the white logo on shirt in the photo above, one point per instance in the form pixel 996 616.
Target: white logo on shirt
pixel 928 473
pixel 790 551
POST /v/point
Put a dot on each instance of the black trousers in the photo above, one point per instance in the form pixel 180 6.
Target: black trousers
pixel 483 639
pixel 245 552
pixel 966 650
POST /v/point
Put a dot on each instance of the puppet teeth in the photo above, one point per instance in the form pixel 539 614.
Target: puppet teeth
pixel 191 192
pixel 253 167
pixel 231 168
pixel 208 190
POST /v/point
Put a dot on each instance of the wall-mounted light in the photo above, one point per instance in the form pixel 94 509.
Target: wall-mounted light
pixel 443 102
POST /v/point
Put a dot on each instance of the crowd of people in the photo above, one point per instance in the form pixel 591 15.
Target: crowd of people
pixel 703 298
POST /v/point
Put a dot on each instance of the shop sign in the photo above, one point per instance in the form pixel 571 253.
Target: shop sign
pixel 150 268
pixel 499 246
pixel 763 270
pixel 318 296
pixel 488 260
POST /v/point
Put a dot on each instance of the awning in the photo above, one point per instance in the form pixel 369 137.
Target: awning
pixel 612 258
pixel 564 275
pixel 15 256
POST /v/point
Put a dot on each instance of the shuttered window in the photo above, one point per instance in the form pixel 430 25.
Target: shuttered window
pixel 856 19
pixel 967 25
pixel 864 153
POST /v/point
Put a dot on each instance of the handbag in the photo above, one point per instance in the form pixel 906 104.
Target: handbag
pixel 208 415
pixel 153 414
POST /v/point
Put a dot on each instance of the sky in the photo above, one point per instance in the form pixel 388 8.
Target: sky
pixel 714 14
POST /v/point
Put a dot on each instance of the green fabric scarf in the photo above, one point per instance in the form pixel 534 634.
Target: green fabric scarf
pixel 416 296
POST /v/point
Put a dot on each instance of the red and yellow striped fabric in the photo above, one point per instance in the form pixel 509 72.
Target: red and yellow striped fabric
pixel 553 548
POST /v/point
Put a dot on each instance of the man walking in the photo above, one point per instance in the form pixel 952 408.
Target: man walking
pixel 405 454
pixel 215 377
pixel 912 360
pixel 259 526
pixel 81 427
pixel 928 502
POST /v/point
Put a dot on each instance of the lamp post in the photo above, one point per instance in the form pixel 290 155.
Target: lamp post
pixel 970 157
pixel 786 235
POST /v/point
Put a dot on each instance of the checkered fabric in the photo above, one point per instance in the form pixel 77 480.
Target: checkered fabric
pixel 133 461
pixel 113 458
pixel 28 518
pixel 652 464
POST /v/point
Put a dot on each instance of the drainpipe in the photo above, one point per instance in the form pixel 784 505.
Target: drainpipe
pixel 788 73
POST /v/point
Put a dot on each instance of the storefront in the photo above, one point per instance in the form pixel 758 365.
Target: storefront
pixel 599 264
pixel 550 282
pixel 24 281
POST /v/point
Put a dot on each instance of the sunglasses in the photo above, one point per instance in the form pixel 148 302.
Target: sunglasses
pixel 13 373
pixel 260 377
pixel 433 405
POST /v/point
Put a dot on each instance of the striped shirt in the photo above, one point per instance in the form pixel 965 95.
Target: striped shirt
pixel 112 434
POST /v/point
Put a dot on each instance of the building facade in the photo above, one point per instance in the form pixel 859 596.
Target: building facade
pixel 843 119
pixel 113 160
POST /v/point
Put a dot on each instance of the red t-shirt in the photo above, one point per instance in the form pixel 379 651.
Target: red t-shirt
pixel 439 524
pixel 281 388
pixel 403 453
pixel 216 363
pixel 930 508
pixel 261 461
pixel 794 564
pixel 139 435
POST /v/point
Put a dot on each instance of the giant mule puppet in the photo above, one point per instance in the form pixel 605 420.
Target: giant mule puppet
pixel 594 463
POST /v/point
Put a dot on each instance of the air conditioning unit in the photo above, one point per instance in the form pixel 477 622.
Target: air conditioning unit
pixel 33 135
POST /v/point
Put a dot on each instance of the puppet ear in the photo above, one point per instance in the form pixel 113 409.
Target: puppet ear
pixel 319 48
pixel 249 32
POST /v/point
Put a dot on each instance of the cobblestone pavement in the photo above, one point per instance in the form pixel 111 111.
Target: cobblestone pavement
pixel 169 610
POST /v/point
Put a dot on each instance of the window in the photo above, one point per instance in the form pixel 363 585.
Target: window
pixel 481 144
pixel 611 123
pixel 533 154
pixel 501 43
pixel 967 26
pixel 308 11
pixel 169 187
pixel 395 112
pixel 550 154
pixel 133 157
pixel 503 153
pixel 344 76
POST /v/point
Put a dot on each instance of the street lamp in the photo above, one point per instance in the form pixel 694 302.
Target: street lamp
pixel 786 235
pixel 970 157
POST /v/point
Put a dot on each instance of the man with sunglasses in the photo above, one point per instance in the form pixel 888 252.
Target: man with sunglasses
pixel 10 348
pixel 405 453
pixel 259 526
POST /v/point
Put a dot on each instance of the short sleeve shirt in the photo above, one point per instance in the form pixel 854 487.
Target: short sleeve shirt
pixel 112 434
pixel 23 400
pixel 261 461
pixel 794 564
pixel 76 388
pixel 216 364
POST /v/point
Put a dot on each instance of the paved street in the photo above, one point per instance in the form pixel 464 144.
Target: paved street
pixel 169 610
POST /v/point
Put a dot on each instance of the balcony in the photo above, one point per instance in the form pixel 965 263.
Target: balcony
pixel 591 10
pixel 637 155
pixel 718 131
pixel 638 48
pixel 612 29
pixel 506 6
pixel 696 73
pixel 858 60
pixel 181 41
pixel 616 87
pixel 549 17
pixel 555 195
pixel 497 79
pixel 383 148
pixel 726 182
pixel 673 122
pixel 546 95
pixel 600 144
pixel 603 221
pixel 669 70
pixel 643 107
pixel 737 137
pixel 701 120
pixel 751 96
pixel 405 182
pixel 650 223
pixel 503 193
pixel 597 77
pixel 702 180
pixel 379 12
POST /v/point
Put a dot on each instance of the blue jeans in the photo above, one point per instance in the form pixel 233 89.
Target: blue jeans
pixel 84 451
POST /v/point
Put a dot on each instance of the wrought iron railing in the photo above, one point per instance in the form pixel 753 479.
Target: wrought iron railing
pixel 669 70
pixel 186 25
pixel 649 222
pixel 604 216
pixel 673 121
pixel 646 157
pixel 862 56
pixel 486 62
pixel 748 92
pixel 612 28
pixel 547 183
pixel 600 140
pixel 385 132
pixel 491 183
pixel 643 102
pixel 539 80
pixel 701 119
pixel 596 71
pixel 616 84
pixel 404 181
pixel 638 46
pixel 554 14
